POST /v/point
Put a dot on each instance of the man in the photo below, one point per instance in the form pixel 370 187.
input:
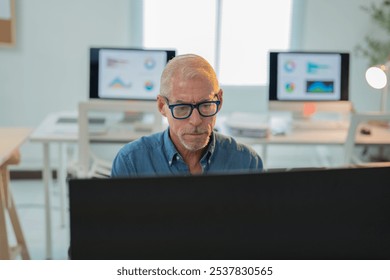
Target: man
pixel 189 98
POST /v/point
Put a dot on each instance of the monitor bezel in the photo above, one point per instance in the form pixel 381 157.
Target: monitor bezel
pixel 94 70
pixel 273 75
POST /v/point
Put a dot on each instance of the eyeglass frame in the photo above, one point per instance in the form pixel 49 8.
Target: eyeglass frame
pixel 193 106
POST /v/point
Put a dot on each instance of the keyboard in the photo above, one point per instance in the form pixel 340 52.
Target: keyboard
pixel 320 125
pixel 71 120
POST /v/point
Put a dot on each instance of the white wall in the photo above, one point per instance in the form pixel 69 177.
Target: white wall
pixel 48 71
pixel 332 25
pixel 341 25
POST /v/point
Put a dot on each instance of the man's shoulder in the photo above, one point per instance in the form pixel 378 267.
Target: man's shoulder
pixel 225 140
pixel 228 142
pixel 146 142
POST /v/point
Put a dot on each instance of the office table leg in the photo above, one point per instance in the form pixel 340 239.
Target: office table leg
pixel 264 152
pixel 4 251
pixel 22 246
pixel 47 179
pixel 7 204
pixel 324 157
pixel 62 180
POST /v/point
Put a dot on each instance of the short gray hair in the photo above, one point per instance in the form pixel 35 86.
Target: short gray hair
pixel 184 67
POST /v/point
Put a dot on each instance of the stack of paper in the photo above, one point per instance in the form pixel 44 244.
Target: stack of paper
pixel 248 125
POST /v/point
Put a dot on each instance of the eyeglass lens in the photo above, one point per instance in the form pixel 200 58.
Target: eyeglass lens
pixel 205 109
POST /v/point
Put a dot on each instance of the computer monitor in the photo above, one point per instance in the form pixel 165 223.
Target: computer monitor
pixel 303 214
pixel 298 78
pixel 308 76
pixel 127 73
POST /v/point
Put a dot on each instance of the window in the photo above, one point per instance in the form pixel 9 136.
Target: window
pixel 234 36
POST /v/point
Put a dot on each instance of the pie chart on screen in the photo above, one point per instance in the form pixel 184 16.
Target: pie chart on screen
pixel 289 87
pixel 289 66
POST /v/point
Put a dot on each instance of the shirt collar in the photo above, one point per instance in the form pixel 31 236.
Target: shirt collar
pixel 210 149
pixel 170 149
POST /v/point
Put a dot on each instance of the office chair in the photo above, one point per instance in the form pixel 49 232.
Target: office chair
pixel 363 125
pixel 90 163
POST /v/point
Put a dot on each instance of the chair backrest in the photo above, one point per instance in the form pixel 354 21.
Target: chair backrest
pixel 355 121
pixel 89 163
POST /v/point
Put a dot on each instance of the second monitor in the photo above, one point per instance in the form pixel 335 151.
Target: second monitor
pixel 127 73
pixel 307 81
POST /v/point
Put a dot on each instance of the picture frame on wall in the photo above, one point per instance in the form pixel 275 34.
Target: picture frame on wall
pixel 7 23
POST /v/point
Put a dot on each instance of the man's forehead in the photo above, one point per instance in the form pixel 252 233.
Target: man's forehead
pixel 192 98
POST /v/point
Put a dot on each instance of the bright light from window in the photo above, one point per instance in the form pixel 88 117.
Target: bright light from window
pixel 187 26
pixel 249 29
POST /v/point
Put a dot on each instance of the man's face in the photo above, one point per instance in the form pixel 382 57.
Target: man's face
pixel 193 133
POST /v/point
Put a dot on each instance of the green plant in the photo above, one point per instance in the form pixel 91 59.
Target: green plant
pixel 377 50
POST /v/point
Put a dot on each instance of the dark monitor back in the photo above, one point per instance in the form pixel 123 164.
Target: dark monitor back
pixel 305 214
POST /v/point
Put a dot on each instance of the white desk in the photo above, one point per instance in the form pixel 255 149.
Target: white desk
pixel 50 131
pixel 378 136
pixel 298 132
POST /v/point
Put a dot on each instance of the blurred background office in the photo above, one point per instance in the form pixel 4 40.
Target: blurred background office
pixel 47 70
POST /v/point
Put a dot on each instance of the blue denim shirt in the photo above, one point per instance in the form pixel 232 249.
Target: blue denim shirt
pixel 156 155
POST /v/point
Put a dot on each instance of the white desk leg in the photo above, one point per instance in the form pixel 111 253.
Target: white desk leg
pixel 62 180
pixel 323 155
pixel 47 180
pixel 264 152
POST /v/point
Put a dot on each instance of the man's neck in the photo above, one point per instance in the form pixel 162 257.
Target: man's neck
pixel 192 159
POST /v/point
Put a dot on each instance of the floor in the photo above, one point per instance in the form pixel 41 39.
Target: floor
pixel 29 199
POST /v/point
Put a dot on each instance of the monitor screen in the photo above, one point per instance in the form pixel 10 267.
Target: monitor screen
pixel 308 76
pixel 124 73
pixel 303 214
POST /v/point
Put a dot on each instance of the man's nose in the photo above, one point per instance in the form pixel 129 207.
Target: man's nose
pixel 195 118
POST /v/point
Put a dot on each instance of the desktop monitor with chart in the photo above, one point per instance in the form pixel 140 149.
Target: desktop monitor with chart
pixel 127 73
pixel 304 81
pixel 130 76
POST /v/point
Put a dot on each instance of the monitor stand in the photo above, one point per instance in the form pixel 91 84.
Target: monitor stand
pixel 310 115
pixel 302 110
pixel 139 121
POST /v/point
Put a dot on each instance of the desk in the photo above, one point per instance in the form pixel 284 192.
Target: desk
pixel 379 136
pixel 10 141
pixel 51 131
pixel 318 133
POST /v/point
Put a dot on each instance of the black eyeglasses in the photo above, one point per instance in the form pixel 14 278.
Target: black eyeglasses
pixel 184 110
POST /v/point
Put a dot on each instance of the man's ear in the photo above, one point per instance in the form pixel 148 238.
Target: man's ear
pixel 160 105
pixel 220 98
